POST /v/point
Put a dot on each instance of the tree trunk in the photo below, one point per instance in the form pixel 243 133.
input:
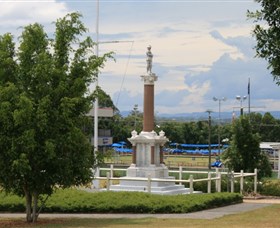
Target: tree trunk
pixel 28 203
pixel 35 207
pixel 31 205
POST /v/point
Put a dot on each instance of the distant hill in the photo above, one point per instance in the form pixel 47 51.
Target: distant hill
pixel 194 116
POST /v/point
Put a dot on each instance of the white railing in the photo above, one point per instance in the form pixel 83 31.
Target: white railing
pixel 211 176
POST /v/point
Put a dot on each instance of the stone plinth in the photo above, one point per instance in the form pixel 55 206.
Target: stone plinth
pixel 148 162
pixel 147 148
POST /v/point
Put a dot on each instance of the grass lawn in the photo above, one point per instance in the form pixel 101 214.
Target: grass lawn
pixel 169 160
pixel 264 217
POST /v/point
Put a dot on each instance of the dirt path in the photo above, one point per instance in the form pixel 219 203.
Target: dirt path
pixel 262 200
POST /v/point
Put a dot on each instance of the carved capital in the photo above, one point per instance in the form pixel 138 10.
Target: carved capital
pixel 149 79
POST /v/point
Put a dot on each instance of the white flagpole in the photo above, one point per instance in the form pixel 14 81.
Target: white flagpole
pixel 95 141
pixel 96 83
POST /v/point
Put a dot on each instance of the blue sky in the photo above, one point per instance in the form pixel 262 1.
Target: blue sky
pixel 201 49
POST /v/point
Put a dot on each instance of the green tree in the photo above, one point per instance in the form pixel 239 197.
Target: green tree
pixel 256 120
pixel 189 131
pixel 105 100
pixel 267 127
pixel 225 132
pixel 173 131
pixel 123 126
pixel 275 136
pixel 244 152
pixel 120 130
pixel 44 99
pixel 267 34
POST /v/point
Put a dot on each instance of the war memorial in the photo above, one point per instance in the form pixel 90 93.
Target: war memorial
pixel 147 155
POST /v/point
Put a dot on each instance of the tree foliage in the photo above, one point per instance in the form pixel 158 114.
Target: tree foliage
pixel 266 126
pixel 244 152
pixel 190 132
pixel 43 101
pixel 267 34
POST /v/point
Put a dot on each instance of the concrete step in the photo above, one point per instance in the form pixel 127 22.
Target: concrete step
pixel 166 190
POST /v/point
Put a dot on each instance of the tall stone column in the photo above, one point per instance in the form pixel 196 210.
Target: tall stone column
pixel 148 118
pixel 148 109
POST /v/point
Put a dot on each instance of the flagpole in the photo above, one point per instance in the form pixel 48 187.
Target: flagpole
pixel 95 182
pixel 95 142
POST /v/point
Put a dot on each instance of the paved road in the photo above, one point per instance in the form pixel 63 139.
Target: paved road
pixel 247 205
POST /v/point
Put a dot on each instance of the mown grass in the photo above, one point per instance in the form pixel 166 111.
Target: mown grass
pixel 170 160
pixel 260 218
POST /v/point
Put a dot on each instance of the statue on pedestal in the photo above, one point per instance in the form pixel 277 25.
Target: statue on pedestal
pixel 147 147
pixel 149 59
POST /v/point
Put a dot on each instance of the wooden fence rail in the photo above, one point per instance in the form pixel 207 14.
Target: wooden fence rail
pixel 211 176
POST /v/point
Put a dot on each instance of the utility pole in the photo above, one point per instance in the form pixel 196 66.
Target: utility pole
pixel 219 124
pixel 209 139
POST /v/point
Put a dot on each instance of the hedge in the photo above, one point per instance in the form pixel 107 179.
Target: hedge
pixel 79 201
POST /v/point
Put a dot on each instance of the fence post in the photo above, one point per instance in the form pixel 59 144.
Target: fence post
pixel 180 174
pixel 255 180
pixel 209 183
pixel 232 182
pixel 216 181
pixel 191 184
pixel 149 183
pixel 219 181
pixel 111 173
pixel 108 180
pixel 241 181
pixel 96 182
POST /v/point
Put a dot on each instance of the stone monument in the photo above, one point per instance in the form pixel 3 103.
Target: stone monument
pixel 147 157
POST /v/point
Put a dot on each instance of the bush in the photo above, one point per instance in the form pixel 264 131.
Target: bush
pixel 12 203
pixel 137 202
pixel 78 201
pixel 270 188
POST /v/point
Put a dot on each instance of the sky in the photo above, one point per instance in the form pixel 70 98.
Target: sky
pixel 201 49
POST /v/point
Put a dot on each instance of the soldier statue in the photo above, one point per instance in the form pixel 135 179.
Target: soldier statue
pixel 149 59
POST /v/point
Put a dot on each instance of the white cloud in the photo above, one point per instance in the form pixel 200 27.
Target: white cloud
pixel 201 49
pixel 15 14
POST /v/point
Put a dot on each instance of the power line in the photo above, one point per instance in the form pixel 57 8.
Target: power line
pixel 132 42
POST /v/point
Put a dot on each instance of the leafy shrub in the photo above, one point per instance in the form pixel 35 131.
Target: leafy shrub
pixel 78 201
pixel 9 202
pixel 270 187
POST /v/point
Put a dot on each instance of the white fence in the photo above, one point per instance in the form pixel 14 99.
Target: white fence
pixel 211 176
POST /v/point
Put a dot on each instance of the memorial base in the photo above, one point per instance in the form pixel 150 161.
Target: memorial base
pixel 140 183
pixel 148 165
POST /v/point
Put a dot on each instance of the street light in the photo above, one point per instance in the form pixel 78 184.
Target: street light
pixel 209 138
pixel 241 99
pixel 219 135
